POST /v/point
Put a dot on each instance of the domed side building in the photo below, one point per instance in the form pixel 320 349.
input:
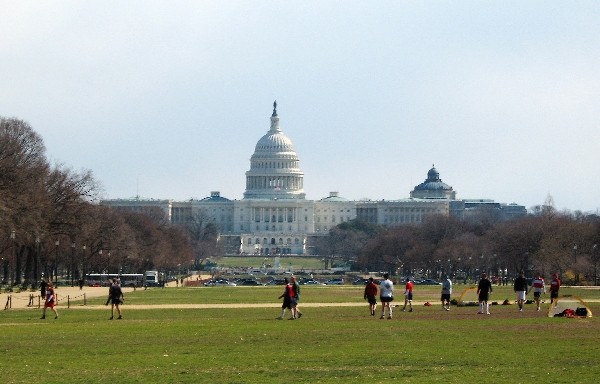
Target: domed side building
pixel 274 216
pixel 433 188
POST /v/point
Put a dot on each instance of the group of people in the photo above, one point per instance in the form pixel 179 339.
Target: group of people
pixel 538 286
pixel 386 295
pixel 291 298
pixel 115 298
pixel 484 290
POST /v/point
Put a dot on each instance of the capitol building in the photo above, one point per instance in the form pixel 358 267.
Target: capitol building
pixel 275 218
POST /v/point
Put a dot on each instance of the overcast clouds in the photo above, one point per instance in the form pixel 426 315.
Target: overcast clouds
pixel 168 99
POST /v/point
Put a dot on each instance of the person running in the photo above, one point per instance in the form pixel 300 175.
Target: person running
pixel 554 287
pixel 408 295
pixel 115 295
pixel 371 295
pixel 446 292
pixel 538 287
pixel 295 299
pixel 386 295
pixel 484 290
pixel 521 289
pixel 50 300
pixel 286 295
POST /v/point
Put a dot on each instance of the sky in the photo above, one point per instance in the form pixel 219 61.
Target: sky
pixel 167 99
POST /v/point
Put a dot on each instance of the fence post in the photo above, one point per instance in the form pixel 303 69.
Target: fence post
pixel 68 302
pixel 84 300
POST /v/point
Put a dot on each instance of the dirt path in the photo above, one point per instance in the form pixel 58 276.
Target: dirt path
pixel 75 298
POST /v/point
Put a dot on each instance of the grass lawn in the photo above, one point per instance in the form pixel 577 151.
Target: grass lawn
pixel 327 344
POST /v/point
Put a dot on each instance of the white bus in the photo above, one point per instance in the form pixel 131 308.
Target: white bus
pixel 152 278
pixel 105 279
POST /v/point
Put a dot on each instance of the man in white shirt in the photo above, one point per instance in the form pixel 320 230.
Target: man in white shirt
pixel 386 295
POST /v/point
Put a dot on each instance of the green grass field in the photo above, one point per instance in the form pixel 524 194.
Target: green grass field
pixel 248 345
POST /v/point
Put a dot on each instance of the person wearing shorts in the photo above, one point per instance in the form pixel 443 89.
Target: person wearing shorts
pixel 484 290
pixel 50 300
pixel 446 292
pixel 538 287
pixel 408 295
pixel 115 295
pixel 521 289
pixel 287 303
pixel 554 287
pixel 371 295
pixel 386 295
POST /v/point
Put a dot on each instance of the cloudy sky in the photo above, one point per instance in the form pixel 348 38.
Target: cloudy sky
pixel 167 99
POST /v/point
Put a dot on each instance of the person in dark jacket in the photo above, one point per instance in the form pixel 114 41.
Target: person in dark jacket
pixel 115 295
pixel 521 289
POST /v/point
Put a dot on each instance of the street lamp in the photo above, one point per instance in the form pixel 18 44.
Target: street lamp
pixel 575 262
pixel 56 243
pixel 594 247
pixel 36 265
pixel 83 260
pixel 72 262
pixel 12 237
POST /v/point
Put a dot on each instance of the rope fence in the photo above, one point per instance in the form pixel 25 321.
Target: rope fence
pixel 32 298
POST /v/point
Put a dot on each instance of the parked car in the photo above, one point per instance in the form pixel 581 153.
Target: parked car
pixel 427 282
pixel 310 282
pixel 334 282
pixel 360 282
pixel 251 282
pixel 219 282
pixel 276 282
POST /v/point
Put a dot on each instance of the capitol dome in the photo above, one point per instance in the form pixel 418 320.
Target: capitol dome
pixel 274 167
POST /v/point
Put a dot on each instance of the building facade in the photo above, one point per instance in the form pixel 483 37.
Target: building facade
pixel 274 216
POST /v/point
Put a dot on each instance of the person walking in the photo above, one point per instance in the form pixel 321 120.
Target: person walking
pixel 80 282
pixel 554 287
pixel 408 295
pixel 446 292
pixel 371 295
pixel 484 290
pixel 521 289
pixel 538 287
pixel 386 295
pixel 286 295
pixel 43 287
pixel 115 295
pixel 295 299
pixel 50 300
